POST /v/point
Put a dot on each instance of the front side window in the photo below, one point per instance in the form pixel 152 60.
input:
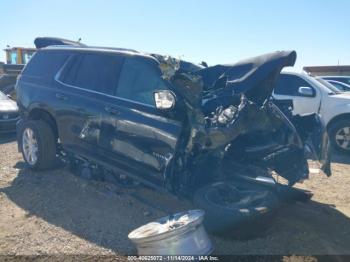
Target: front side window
pixel 93 71
pixel 139 79
pixel 289 85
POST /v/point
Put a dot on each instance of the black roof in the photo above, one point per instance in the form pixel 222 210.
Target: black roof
pixel 122 51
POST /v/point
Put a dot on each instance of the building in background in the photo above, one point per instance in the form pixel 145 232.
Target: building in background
pixel 18 55
pixel 343 70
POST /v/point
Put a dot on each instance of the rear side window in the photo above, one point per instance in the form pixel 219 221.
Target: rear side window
pixel 96 72
pixel 139 79
pixel 45 64
pixel 289 85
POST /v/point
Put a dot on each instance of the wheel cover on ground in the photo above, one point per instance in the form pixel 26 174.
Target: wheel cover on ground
pixel 30 146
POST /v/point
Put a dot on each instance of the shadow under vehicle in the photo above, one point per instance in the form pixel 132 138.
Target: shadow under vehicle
pixel 211 134
pixel 94 214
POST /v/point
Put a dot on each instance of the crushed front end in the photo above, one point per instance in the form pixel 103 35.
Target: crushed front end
pixel 231 122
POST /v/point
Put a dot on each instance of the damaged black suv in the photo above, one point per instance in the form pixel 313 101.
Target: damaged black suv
pixel 195 131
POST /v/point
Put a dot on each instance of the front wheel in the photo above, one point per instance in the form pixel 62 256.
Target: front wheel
pixel 340 136
pixel 38 144
pixel 240 210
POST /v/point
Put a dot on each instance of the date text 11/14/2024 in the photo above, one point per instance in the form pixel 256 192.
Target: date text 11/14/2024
pixel 173 258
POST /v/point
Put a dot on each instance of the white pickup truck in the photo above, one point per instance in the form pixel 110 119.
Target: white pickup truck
pixel 310 95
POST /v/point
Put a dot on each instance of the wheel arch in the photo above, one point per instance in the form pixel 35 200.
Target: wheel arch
pixel 338 118
pixel 44 115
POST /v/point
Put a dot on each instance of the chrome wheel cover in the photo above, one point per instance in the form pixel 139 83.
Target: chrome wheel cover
pixel 30 146
pixel 342 138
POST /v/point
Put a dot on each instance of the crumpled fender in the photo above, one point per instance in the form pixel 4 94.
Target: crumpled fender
pixel 225 102
pixel 314 134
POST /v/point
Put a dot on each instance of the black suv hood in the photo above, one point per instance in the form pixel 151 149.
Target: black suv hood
pixel 216 85
pixel 255 77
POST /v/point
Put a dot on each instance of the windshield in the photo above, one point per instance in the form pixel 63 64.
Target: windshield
pixel 341 86
pixel 345 80
pixel 3 96
pixel 329 86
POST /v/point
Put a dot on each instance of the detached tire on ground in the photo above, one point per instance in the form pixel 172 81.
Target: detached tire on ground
pixel 237 210
pixel 38 144
pixel 339 134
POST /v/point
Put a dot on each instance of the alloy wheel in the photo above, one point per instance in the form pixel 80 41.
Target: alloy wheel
pixel 342 138
pixel 30 146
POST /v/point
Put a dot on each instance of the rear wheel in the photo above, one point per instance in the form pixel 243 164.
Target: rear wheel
pixel 38 144
pixel 340 135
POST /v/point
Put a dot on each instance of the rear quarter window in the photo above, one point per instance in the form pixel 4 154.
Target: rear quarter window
pixel 44 65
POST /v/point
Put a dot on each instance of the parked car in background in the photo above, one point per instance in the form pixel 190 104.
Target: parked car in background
pixel 7 84
pixel 8 114
pixel 343 79
pixel 311 96
pixel 340 85
pixel 9 91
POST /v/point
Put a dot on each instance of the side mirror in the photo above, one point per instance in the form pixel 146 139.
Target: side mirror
pixel 9 96
pixel 165 99
pixel 306 91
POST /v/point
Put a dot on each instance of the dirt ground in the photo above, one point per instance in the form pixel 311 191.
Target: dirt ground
pixel 57 212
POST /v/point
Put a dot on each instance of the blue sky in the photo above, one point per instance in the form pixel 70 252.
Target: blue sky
pixel 216 31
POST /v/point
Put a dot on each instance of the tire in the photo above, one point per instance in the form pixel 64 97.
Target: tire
pixel 45 144
pixel 239 219
pixel 337 130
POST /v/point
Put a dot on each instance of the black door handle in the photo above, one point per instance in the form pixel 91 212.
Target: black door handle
pixel 61 97
pixel 111 110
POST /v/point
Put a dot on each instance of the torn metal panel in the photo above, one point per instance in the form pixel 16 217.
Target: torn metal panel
pixel 227 104
pixel 168 66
